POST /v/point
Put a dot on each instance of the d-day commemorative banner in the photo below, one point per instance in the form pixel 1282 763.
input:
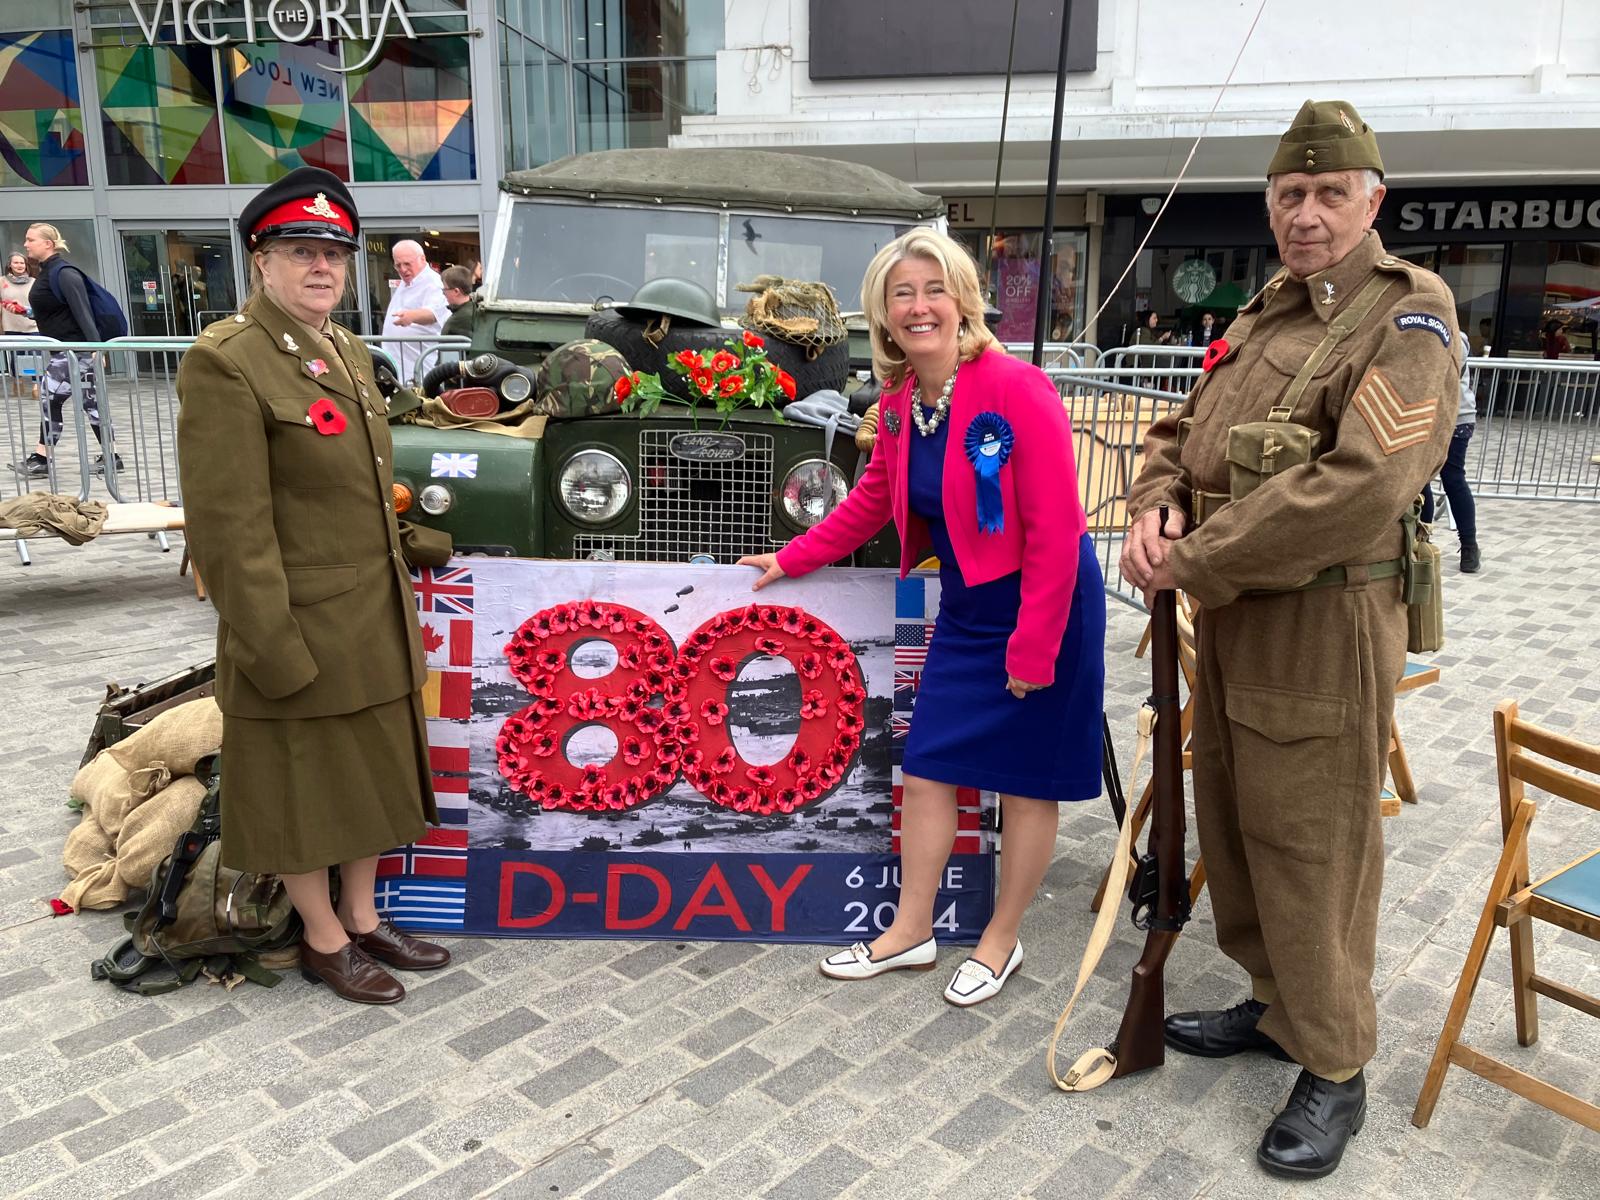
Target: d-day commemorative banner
pixel 648 750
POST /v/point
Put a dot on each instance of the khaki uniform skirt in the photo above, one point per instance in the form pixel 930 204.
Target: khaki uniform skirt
pixel 300 794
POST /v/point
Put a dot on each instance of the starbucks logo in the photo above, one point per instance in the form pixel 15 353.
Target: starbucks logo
pixel 1194 280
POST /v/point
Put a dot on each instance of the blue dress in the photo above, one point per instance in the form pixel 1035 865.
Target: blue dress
pixel 966 728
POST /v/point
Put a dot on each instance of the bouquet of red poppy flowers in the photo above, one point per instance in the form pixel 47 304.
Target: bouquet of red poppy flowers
pixel 738 376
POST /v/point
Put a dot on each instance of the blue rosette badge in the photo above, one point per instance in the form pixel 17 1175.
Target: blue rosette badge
pixel 988 446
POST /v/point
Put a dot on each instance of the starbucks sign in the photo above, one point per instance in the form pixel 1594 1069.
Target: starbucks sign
pixel 220 22
pixel 1194 280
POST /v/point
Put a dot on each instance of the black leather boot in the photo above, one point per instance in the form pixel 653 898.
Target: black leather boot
pixel 1218 1033
pixel 1471 561
pixel 1307 1139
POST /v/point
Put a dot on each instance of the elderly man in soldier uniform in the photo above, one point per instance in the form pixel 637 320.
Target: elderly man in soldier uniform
pixel 1302 633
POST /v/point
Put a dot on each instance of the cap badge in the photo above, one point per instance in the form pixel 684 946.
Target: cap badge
pixel 1328 296
pixel 321 208
pixel 1344 119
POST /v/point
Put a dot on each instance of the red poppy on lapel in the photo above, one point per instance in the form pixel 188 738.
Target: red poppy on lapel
pixel 326 418
pixel 1215 353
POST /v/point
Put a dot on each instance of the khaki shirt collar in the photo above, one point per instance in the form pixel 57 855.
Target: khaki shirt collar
pixel 1331 290
pixel 293 337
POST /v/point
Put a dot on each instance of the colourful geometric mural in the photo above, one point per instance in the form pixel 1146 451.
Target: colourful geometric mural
pixel 283 107
pixel 160 121
pixel 411 110
pixel 41 123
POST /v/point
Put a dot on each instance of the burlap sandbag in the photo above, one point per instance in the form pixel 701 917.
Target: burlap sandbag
pixel 118 843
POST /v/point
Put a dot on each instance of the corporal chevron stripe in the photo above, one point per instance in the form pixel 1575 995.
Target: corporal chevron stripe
pixel 1394 422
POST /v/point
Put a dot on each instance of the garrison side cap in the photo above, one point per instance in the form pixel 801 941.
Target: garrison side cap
pixel 308 202
pixel 1326 135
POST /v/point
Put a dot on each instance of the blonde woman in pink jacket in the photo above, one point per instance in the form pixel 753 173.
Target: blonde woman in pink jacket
pixel 973 461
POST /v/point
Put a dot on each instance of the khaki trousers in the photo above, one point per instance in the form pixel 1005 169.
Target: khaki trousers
pixel 1294 696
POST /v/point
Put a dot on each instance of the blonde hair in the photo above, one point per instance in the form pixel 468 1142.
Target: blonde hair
pixel 960 276
pixel 52 233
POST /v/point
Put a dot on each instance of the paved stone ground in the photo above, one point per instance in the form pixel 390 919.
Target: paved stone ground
pixel 535 1068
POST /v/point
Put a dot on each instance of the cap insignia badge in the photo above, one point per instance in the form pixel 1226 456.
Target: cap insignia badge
pixel 1344 119
pixel 291 343
pixel 1328 292
pixel 321 208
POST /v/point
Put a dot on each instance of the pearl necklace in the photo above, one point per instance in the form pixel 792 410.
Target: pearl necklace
pixel 927 426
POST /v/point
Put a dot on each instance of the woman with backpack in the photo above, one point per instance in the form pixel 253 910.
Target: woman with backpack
pixel 286 466
pixel 60 299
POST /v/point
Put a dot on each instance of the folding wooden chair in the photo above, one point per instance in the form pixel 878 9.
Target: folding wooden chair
pixel 1568 897
pixel 1405 787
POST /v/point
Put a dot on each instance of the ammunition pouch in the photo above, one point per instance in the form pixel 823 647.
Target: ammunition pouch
pixel 1424 590
pixel 1258 450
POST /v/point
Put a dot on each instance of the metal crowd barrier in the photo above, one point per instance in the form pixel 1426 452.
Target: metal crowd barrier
pixel 1538 434
pixel 135 384
pixel 1066 356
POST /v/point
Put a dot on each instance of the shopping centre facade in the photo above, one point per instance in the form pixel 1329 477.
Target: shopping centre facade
pixel 142 127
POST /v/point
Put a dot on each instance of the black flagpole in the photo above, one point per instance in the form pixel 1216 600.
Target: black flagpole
pixel 1047 248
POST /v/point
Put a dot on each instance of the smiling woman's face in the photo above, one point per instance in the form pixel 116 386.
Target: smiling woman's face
pixel 18 265
pixel 307 291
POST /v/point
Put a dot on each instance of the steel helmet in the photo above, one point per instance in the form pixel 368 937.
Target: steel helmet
pixel 681 299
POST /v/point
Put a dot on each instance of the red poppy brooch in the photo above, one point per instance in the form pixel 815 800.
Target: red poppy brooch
pixel 326 418
pixel 1215 353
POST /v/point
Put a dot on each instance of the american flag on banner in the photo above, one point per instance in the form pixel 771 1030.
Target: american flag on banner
pixel 916 606
pixel 443 589
pixel 423 904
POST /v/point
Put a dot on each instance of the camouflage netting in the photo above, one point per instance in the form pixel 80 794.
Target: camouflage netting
pixel 800 312
pixel 578 379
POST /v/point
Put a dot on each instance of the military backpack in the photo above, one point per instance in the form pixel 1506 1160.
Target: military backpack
pixel 200 917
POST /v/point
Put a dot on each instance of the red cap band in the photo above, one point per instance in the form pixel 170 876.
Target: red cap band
pixel 304 211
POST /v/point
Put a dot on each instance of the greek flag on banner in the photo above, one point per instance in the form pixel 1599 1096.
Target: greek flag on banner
pixel 454 466
pixel 423 904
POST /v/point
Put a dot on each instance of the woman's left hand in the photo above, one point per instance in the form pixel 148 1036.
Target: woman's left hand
pixel 1020 688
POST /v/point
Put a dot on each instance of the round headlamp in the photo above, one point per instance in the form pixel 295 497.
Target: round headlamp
pixel 811 490
pixel 593 486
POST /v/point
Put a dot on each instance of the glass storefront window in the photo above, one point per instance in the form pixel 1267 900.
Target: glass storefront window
pixel 632 104
pixel 1181 285
pixel 835 252
pixel 645 28
pixel 1013 269
pixel 41 121
pixel 159 119
pixel 441 248
pixel 25 15
pixel 411 110
pixel 79 234
pixel 565 252
pixel 283 107
pixel 545 21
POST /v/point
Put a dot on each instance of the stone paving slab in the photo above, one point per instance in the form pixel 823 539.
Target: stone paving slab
pixel 618 1069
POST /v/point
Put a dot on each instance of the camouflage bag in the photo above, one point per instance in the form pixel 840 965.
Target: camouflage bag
pixel 579 379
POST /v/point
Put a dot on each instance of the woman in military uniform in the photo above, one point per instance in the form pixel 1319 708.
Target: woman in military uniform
pixel 284 459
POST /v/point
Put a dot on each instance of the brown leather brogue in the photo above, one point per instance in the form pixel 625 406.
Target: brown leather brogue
pixel 350 973
pixel 389 945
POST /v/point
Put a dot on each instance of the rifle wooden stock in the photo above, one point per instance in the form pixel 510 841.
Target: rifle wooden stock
pixel 1140 1041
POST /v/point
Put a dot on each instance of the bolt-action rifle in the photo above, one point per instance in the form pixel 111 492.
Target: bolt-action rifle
pixel 1159 890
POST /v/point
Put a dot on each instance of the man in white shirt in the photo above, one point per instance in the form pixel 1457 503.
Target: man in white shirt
pixel 417 306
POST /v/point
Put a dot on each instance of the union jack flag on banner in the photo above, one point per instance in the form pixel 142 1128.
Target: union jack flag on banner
pixel 443 589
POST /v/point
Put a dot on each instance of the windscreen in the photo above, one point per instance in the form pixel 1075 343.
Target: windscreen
pixel 835 252
pixel 581 253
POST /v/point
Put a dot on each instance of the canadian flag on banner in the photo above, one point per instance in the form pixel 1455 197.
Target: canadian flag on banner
pixel 447 641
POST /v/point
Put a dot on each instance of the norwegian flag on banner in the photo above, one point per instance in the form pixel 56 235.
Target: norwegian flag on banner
pixel 443 589
pixel 440 851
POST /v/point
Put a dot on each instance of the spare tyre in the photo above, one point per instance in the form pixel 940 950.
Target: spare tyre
pixel 829 369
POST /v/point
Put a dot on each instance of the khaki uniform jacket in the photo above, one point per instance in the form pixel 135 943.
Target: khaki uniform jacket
pixel 292 529
pixel 1384 403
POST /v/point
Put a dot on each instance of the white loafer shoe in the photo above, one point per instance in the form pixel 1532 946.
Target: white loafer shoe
pixel 857 962
pixel 973 983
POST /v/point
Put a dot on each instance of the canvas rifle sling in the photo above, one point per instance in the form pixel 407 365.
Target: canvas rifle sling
pixel 1096 1066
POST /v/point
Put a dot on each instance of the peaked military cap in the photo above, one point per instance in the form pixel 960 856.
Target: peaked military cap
pixel 1326 135
pixel 308 202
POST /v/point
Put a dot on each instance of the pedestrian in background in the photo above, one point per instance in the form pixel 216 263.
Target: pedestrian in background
pixel 974 456
pixel 62 312
pixel 417 307
pixel 16 313
pixel 285 462
pixel 1453 475
pixel 458 295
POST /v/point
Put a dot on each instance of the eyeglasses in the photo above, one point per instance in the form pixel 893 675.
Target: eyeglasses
pixel 305 256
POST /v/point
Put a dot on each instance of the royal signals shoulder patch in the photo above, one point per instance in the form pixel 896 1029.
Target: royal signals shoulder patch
pixel 1395 422
pixel 1426 321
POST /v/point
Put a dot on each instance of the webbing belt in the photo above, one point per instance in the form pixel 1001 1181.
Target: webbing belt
pixel 1337 577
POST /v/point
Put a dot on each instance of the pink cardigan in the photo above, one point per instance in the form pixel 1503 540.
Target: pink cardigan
pixel 1039 485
